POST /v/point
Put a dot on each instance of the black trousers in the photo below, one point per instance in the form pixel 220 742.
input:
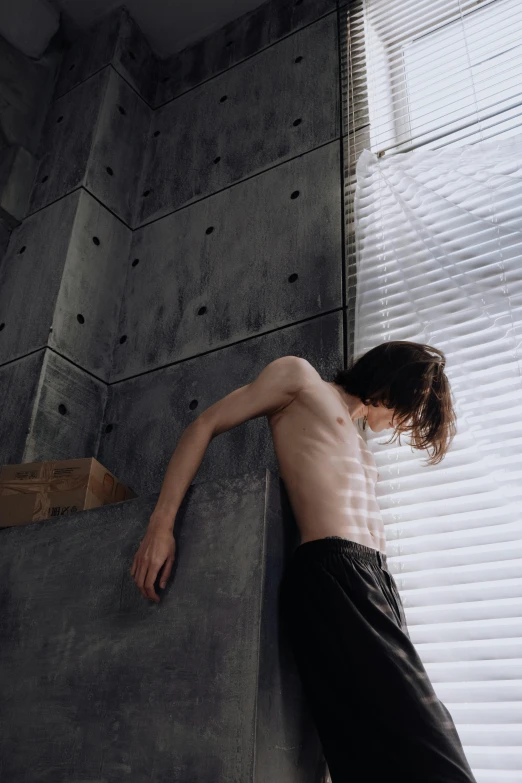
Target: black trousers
pixel 371 700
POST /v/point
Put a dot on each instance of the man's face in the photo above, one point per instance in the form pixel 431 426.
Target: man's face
pixel 380 418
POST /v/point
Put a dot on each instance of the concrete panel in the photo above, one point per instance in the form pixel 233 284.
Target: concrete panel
pixel 85 320
pixel 233 43
pixel 6 227
pixel 19 381
pixel 98 144
pixel 30 278
pixel 100 684
pixel 26 88
pixel 251 130
pixel 17 171
pixel 67 410
pixel 240 272
pixel 67 139
pixel 68 261
pixel 148 414
pixel 115 40
pixel 119 145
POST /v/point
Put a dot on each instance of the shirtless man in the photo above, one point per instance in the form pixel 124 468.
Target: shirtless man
pixel 375 709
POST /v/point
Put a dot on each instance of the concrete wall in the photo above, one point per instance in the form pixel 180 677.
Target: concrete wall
pixel 26 89
pixel 184 228
pixel 175 242
pixel 100 685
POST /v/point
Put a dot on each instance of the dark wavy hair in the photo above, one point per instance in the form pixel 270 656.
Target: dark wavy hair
pixel 410 378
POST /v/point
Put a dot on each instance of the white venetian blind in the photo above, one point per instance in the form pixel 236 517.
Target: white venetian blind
pixel 438 221
pixel 445 71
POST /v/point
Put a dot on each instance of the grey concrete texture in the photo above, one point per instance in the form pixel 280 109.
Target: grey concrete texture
pixel 235 42
pixel 254 108
pixel 94 137
pixel 99 684
pixel 26 89
pixel 115 40
pixel 19 383
pixel 53 408
pixel 67 262
pixel 236 254
pixel 17 171
pixel 6 226
pixel 104 356
pixel 260 232
pixel 148 414
pixel 254 128
pixel 66 413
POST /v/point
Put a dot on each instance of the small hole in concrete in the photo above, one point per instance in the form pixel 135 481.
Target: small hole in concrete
pixel 123 339
pixel 59 119
pixel 202 310
pixel 223 99
pixel 298 2
pixel 230 43
pixel 72 66
pixel 297 122
pixel 44 178
pixel 22 249
pixel 62 409
pixel 293 278
pixel 157 133
pixel 136 262
pixel 216 160
pixel 165 79
pixel 81 319
pixel 132 55
pixel 295 194
pixel 193 404
pixel 96 240
pixel 1 326
pixel 108 428
pixel 298 59
pixel 122 110
pixel 209 230
pixel 110 171
pixel 146 192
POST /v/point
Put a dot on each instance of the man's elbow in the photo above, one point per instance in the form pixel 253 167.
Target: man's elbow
pixel 203 425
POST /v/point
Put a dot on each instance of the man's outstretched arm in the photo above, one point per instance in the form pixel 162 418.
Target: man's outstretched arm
pixel 273 389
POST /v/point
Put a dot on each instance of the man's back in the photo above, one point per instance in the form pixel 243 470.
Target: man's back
pixel 327 468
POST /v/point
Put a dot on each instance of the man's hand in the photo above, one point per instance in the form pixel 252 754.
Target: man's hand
pixel 158 548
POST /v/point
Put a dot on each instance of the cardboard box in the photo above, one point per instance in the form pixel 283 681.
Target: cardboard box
pixel 35 491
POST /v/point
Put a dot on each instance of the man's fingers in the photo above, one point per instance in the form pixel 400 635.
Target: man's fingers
pixel 166 571
pixel 156 551
pixel 140 577
pixel 145 578
pixel 149 582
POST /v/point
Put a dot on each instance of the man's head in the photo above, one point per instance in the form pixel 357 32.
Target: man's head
pixel 404 386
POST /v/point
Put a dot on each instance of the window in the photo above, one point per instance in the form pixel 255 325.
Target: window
pixel 434 96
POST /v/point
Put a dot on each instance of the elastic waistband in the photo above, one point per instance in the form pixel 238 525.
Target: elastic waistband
pixel 313 549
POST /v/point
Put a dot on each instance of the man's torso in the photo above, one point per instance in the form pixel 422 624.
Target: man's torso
pixel 327 468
